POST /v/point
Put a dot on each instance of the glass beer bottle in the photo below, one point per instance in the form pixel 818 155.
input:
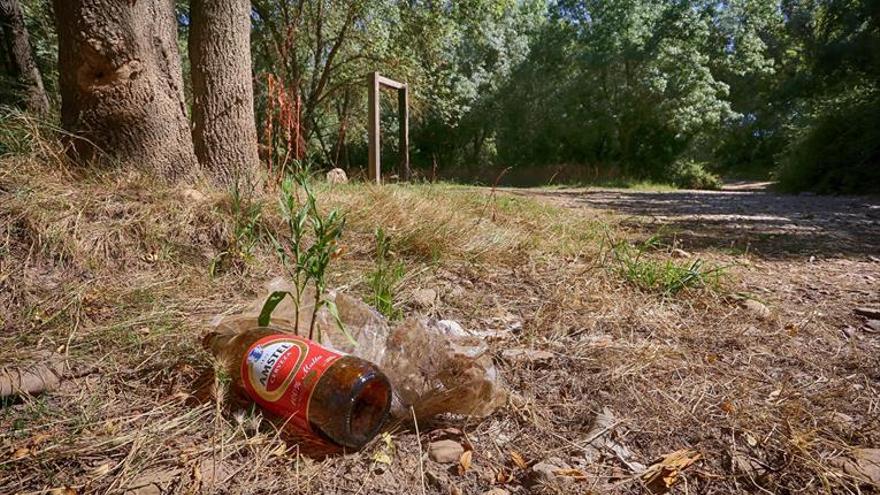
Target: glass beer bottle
pixel 317 391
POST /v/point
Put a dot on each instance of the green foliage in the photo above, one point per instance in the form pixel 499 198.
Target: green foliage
pixel 690 174
pixel 669 277
pixel 305 262
pixel 620 84
pixel 839 151
pixel 626 88
pixel 386 277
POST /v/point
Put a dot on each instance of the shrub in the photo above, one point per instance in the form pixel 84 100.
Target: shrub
pixel 690 174
pixel 839 152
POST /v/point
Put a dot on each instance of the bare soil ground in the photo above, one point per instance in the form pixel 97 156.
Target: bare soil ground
pixel 118 276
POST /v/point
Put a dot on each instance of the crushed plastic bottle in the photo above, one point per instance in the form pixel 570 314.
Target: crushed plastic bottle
pixel 434 367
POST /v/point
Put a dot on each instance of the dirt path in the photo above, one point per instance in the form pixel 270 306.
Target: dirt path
pixel 801 253
pixel 809 261
pixel 745 217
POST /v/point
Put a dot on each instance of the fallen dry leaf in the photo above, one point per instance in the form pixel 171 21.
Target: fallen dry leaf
pixel 20 453
pixel 382 458
pixel 385 454
pixel 279 451
pixel 518 459
pixel 40 438
pixel 576 474
pixel 664 473
pixel 63 490
pixel 464 462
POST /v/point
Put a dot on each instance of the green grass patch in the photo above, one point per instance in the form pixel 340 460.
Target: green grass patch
pixel 642 268
pixel 385 279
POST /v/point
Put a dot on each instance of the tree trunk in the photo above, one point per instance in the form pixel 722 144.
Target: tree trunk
pixel 21 57
pixel 224 132
pixel 121 84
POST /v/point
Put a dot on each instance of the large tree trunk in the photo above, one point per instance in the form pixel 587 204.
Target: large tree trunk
pixel 21 59
pixel 224 132
pixel 121 83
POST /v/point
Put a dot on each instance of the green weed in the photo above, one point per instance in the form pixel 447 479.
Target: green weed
pixel 384 280
pixel 666 276
pixel 305 263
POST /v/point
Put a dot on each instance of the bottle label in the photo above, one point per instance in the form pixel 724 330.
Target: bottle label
pixel 280 373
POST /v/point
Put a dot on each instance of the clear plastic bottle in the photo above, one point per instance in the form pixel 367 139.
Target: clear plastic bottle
pixel 318 392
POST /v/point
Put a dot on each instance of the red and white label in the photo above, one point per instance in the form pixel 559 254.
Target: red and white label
pixel 280 373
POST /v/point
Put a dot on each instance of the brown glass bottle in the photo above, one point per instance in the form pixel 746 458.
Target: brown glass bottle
pixel 339 398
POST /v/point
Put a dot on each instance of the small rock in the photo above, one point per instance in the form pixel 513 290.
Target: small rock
pixel 194 195
pixel 757 308
pixel 152 482
pixel 863 464
pixel 523 355
pixel 680 253
pixel 213 474
pixel 745 465
pixel 545 471
pixel 872 326
pixel 843 419
pixel 337 176
pixel 445 451
pixel 425 298
pixel 451 328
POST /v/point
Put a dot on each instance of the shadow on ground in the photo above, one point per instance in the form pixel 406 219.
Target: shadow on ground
pixel 744 217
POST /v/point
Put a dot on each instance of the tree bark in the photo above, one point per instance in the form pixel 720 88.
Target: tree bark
pixel 224 131
pixel 121 84
pixel 21 57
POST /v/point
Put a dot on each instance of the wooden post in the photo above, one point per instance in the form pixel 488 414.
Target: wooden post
pixel 374 83
pixel 403 120
pixel 373 128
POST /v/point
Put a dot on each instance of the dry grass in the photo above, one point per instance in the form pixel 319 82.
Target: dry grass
pixel 114 272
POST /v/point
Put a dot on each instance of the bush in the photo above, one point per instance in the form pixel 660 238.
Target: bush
pixel 690 174
pixel 838 153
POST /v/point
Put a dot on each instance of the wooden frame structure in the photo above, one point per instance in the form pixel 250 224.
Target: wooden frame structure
pixel 375 82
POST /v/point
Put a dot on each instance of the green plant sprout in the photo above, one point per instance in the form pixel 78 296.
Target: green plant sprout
pixel 384 279
pixel 304 264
